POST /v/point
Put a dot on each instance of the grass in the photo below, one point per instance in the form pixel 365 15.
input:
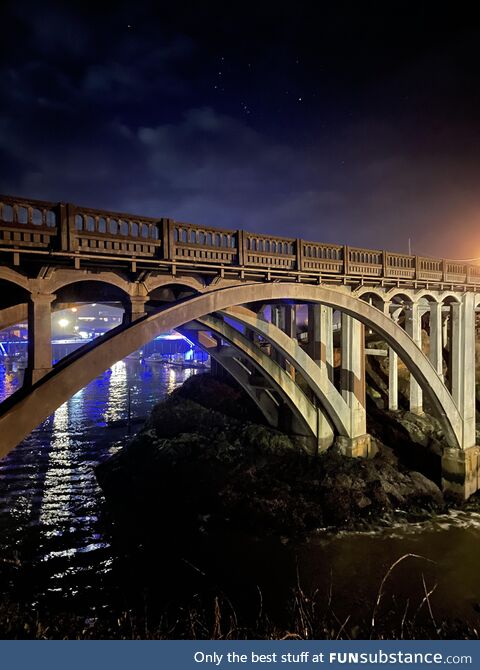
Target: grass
pixel 217 619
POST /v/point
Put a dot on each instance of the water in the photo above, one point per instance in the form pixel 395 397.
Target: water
pixel 52 536
pixel 55 545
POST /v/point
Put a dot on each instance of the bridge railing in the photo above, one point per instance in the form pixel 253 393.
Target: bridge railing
pixel 429 269
pixel 366 262
pixel 49 226
pixel 27 223
pixel 270 251
pixel 399 266
pixel 100 232
pixel 325 258
pixel 188 242
pixel 458 272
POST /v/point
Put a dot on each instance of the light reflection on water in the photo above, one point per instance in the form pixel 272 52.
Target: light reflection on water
pixel 118 384
pixel 50 502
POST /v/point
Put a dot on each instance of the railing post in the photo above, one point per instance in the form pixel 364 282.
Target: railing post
pixel 164 238
pixel 417 267
pixel 299 244
pixel 346 252
pixel 62 236
pixel 169 239
pixel 240 248
pixel 444 269
pixel 72 243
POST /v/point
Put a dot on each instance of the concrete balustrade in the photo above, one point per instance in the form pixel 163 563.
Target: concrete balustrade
pixel 72 231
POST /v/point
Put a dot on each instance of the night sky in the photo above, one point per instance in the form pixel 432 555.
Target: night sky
pixel 353 123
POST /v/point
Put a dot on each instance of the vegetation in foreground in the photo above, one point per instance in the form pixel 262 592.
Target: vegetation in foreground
pixel 216 619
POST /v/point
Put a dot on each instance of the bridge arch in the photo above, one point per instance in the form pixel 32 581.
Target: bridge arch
pixel 91 290
pixel 373 298
pixel 27 408
pixel 397 294
pixel 64 278
pixel 171 291
pixel 427 297
pixel 154 282
pixel 365 291
pixel 13 277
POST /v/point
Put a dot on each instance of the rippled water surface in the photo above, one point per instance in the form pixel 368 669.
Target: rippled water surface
pixel 50 502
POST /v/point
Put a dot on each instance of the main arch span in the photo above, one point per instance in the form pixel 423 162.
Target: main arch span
pixel 29 407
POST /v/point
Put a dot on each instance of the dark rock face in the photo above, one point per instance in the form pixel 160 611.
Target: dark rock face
pixel 209 468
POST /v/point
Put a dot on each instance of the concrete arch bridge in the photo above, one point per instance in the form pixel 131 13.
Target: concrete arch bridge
pixel 264 307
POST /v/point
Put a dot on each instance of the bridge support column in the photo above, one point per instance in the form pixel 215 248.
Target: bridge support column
pixel 461 467
pixel 135 308
pixel 445 331
pixel 413 326
pixel 285 318
pixel 290 329
pixel 39 336
pixel 392 366
pixel 277 318
pixel 320 336
pixel 436 337
pixel 392 380
pixel 463 364
pixel 352 383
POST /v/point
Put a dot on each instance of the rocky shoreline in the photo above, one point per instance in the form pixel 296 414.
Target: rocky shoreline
pixel 205 460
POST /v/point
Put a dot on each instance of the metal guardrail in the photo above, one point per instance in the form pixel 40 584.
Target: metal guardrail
pixel 64 227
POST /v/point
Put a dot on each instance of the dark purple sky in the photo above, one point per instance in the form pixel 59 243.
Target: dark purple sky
pixel 354 123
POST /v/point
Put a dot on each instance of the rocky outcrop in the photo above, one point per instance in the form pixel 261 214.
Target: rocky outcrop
pixel 211 468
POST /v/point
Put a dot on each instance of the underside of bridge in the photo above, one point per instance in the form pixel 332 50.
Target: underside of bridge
pixel 253 330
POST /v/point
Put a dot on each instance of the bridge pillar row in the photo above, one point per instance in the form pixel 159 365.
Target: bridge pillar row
pixel 39 336
pixel 413 326
pixel 352 384
pixel 461 467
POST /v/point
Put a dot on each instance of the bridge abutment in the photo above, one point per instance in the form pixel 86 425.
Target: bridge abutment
pixel 356 447
pixel 461 472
